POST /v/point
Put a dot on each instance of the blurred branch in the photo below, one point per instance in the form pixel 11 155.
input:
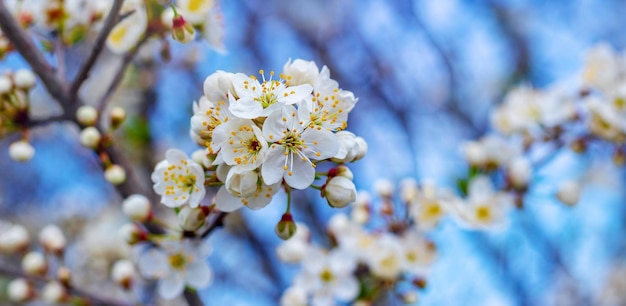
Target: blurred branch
pixel 98 46
pixel 321 45
pixel 264 258
pixel 217 222
pixel 518 45
pixel 119 74
pixel 27 49
pixel 95 300
pixel 506 275
pixel 452 105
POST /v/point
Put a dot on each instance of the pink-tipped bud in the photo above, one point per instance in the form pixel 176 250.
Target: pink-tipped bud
pixel 132 234
pixel 341 170
pixel 286 228
pixel 182 31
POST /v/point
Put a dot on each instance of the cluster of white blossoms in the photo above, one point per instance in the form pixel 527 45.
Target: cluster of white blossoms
pixel 262 136
pixel 531 121
pixel 72 21
pixel 368 257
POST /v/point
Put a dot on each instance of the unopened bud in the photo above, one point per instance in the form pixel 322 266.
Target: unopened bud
pixel 132 234
pixel 34 263
pixel 569 192
pixel 182 31
pixel 137 208
pixel 475 153
pixel 383 187
pixel 6 85
pixel 20 290
pixel 520 171
pixel 90 137
pixel 360 214
pixel 408 190
pixel 117 117
pixel 24 79
pixel 123 273
pixel 54 293
pixel 200 157
pixel 52 239
pixel 14 238
pixel 409 297
pixel 115 174
pixel 87 115
pixel 21 151
pixel 339 192
pixel 419 282
pixel 191 219
pixel 64 275
pixel 286 227
pixel 579 146
pixel 341 170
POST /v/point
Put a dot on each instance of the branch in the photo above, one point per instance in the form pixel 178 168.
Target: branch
pixel 30 53
pixel 128 57
pixel 98 46
pixel 217 222
pixel 192 298
pixel 96 300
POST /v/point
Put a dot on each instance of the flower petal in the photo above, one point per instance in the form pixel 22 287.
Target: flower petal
pixel 303 173
pixel 272 170
pixel 226 202
pixel 171 286
pixel 198 274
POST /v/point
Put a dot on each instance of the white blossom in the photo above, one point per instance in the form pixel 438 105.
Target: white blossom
pixel 177 264
pixel 257 99
pixel 178 180
pixel 294 144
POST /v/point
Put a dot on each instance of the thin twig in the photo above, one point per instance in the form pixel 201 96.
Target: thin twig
pixel 27 49
pixel 128 57
pixel 98 46
pixel 192 298
pixel 217 222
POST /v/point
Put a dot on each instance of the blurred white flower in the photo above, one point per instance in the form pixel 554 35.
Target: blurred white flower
pixel 328 277
pixel 177 264
pixel 484 207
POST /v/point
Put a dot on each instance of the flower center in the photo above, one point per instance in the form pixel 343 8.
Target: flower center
pixel 326 276
pixel 177 261
pixel 483 213
pixel 292 141
pixel 267 99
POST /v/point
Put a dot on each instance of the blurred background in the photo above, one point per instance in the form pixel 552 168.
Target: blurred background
pixel 426 73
